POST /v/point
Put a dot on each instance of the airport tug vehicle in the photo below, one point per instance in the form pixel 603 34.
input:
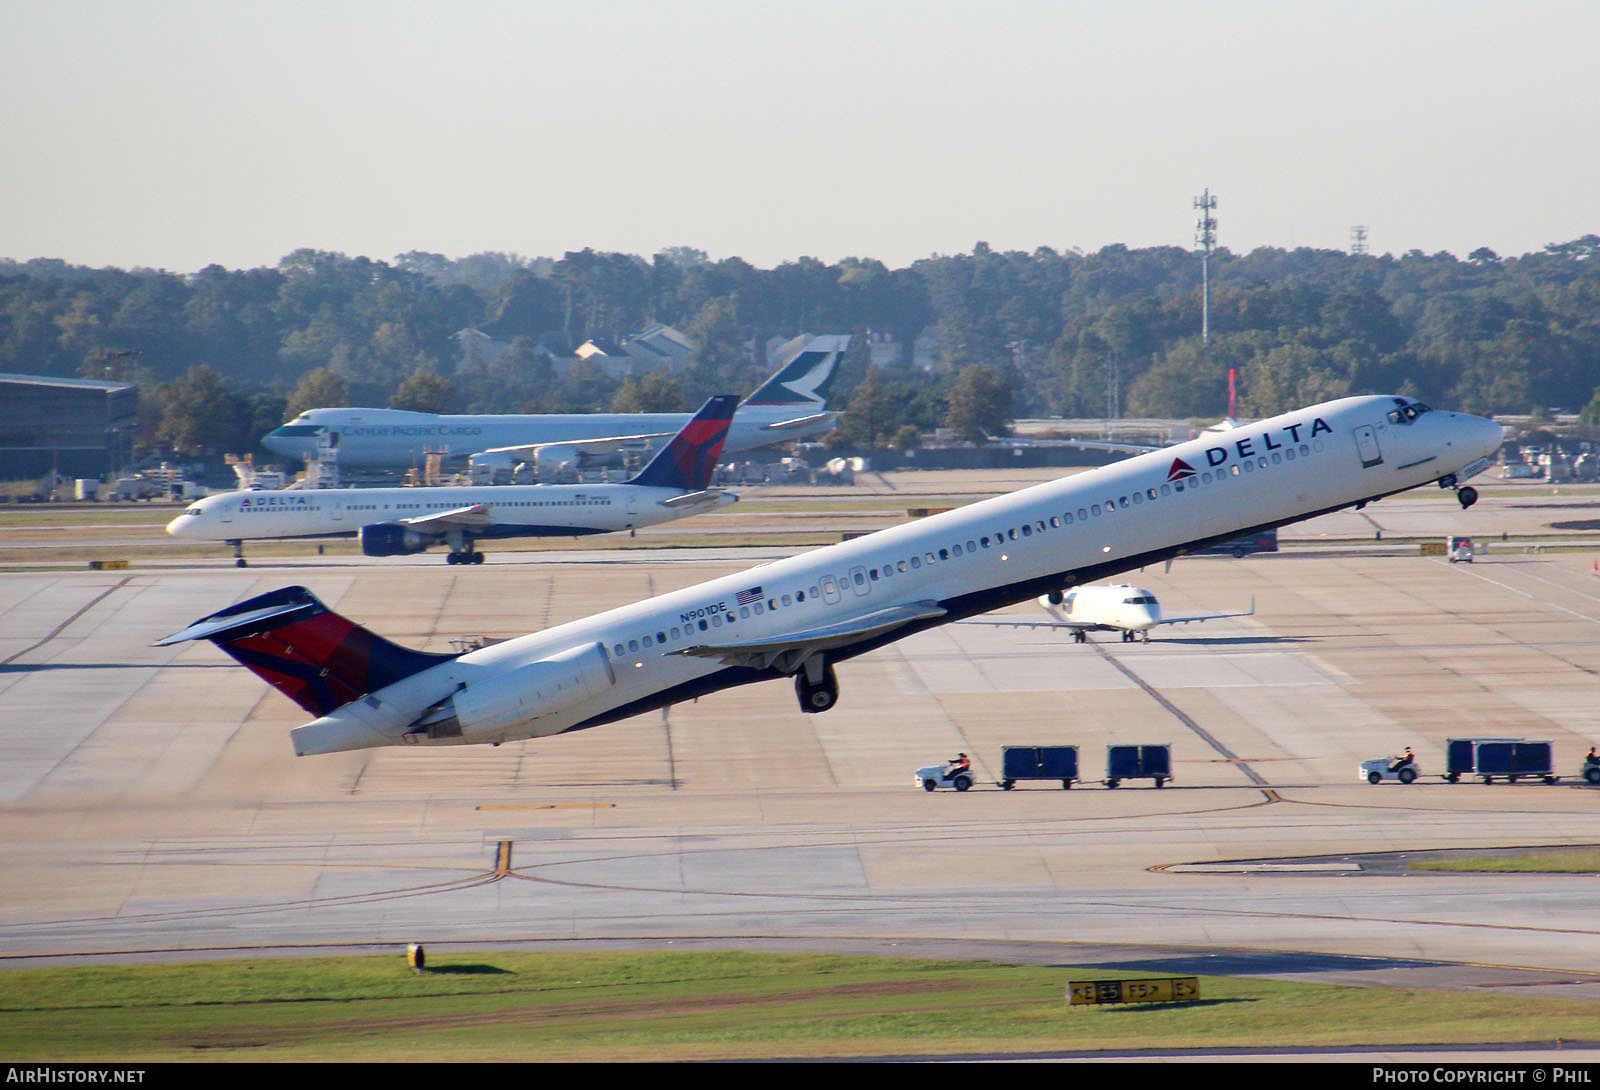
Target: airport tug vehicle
pixel 933 777
pixel 1381 769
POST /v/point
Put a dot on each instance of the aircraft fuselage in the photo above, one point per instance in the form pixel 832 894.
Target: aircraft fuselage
pixel 833 603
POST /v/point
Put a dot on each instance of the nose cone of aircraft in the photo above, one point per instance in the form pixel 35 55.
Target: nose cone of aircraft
pixel 190 523
pixel 293 440
pixel 1486 435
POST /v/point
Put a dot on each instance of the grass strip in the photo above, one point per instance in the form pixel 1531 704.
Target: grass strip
pixel 1542 861
pixel 696 1006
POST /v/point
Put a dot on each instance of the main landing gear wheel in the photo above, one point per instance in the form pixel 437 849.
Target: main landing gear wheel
pixel 464 558
pixel 817 696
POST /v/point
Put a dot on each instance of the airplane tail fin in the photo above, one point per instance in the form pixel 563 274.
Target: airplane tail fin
pixel 306 651
pixel 688 460
pixel 803 381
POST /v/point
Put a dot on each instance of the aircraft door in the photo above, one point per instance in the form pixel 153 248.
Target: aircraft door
pixel 859 580
pixel 1367 446
pixel 336 508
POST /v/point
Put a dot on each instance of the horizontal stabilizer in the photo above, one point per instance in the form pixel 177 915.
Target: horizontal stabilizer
pixel 249 618
pixel 609 444
pixel 800 422
pixel 704 498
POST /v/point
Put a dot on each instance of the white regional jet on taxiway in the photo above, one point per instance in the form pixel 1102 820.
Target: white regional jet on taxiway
pixel 1132 611
pixel 802 616
pixel 397 521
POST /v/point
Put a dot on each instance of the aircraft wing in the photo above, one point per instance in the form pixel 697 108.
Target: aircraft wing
pixel 608 445
pixel 1076 626
pixel 1024 443
pixel 789 650
pixel 475 517
pixel 1187 617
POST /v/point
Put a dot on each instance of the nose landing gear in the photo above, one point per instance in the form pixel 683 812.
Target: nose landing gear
pixel 1466 495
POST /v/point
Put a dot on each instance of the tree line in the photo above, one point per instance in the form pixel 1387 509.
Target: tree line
pixel 222 355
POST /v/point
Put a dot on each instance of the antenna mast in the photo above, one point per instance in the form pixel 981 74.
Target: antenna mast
pixel 1205 236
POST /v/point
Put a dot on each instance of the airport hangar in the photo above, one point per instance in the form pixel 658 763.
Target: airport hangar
pixel 151 807
pixel 75 427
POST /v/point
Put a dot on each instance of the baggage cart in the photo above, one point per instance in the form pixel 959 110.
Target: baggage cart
pixel 1509 759
pixel 1138 763
pixel 1038 763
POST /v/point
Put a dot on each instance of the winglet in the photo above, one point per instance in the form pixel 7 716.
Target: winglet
pixel 687 462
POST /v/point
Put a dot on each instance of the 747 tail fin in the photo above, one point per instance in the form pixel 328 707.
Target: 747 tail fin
pixel 803 381
pixel 306 651
pixel 687 462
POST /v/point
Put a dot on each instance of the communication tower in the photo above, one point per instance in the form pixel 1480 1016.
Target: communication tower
pixel 1358 240
pixel 1205 236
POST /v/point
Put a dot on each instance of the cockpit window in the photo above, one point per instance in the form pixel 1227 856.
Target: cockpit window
pixel 1407 411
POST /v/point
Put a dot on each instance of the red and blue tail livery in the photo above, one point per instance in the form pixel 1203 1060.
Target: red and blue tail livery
pixel 688 462
pixel 309 653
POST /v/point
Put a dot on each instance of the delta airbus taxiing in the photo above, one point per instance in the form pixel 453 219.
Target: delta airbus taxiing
pixel 398 521
pixel 1132 611
pixel 802 616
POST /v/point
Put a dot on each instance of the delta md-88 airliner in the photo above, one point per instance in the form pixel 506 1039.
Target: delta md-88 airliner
pixel 803 615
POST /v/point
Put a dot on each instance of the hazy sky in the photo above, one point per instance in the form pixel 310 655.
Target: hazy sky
pixel 174 134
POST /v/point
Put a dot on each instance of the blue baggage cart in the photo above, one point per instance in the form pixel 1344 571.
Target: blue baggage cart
pixel 1510 759
pixel 1038 763
pixel 1138 763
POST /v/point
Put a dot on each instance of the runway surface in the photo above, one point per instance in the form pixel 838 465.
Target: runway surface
pixel 150 804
